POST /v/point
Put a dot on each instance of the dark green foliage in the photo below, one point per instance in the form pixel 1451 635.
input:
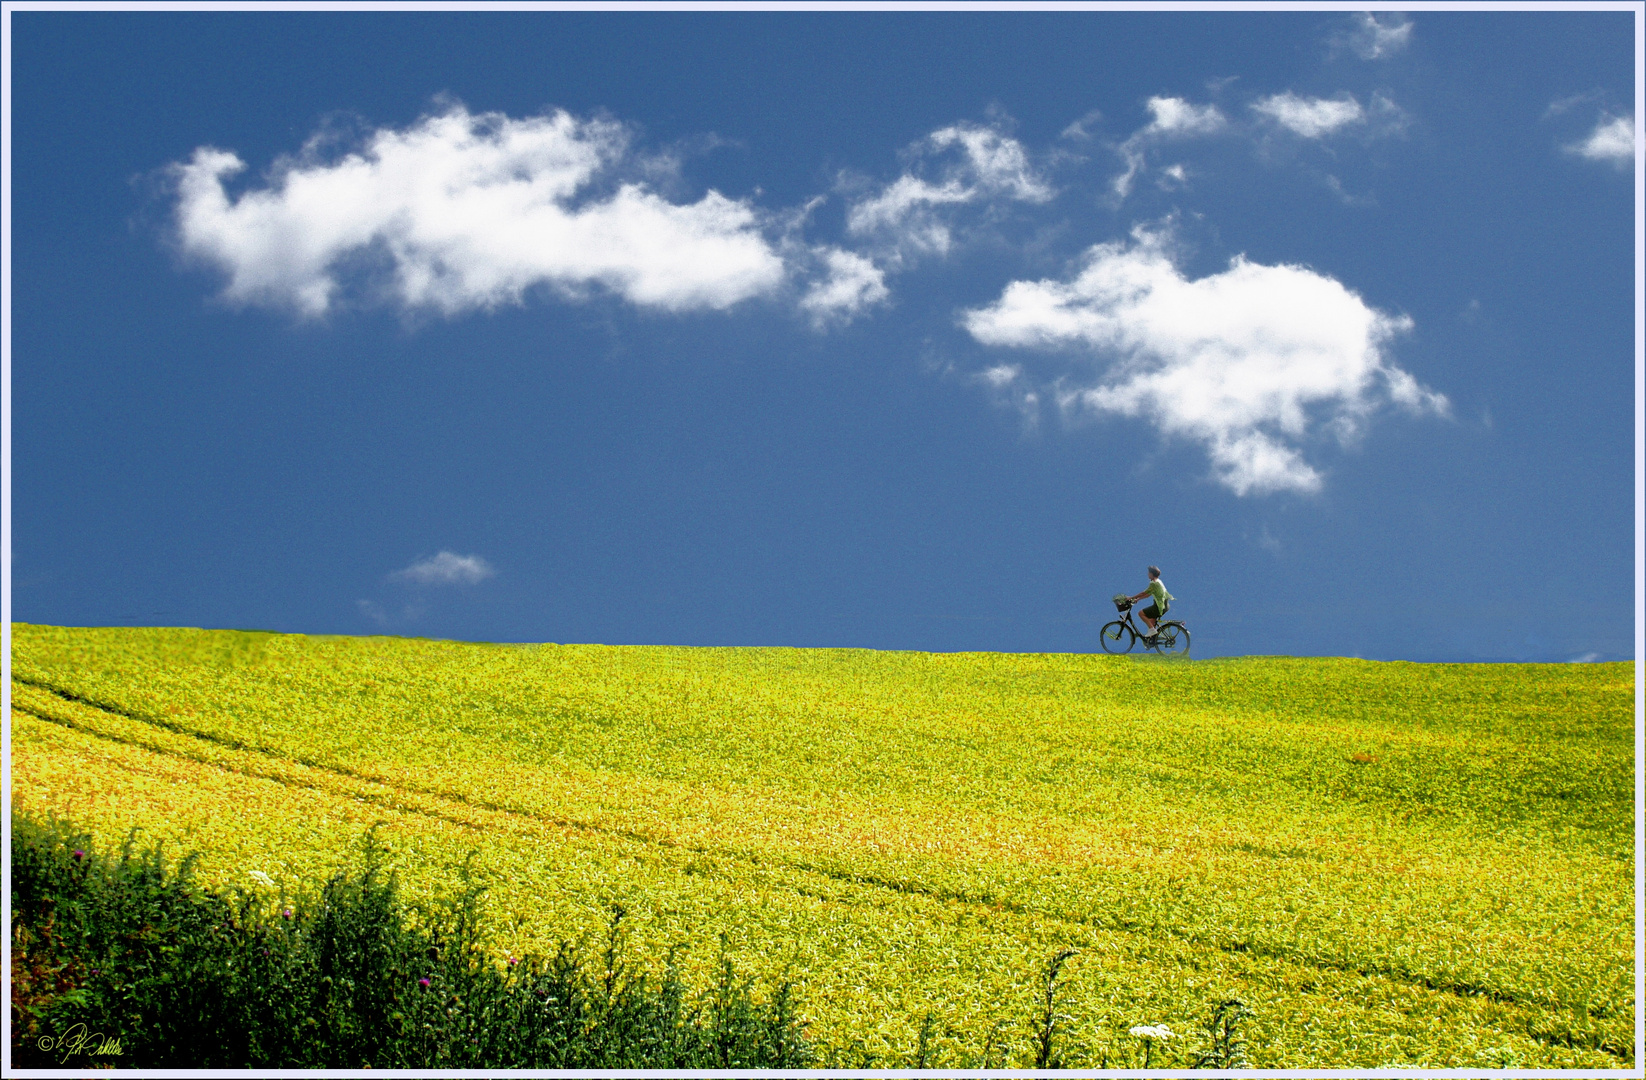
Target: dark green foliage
pixel 170 975
pixel 1046 1023
pixel 1227 1049
pixel 923 1043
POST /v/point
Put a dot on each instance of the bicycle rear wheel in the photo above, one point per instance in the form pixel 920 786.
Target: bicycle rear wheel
pixel 1117 638
pixel 1172 640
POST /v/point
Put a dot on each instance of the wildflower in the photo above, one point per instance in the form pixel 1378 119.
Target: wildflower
pixel 423 982
pixel 286 914
pixel 1149 1033
pixel 513 960
pixel 78 855
pixel 260 877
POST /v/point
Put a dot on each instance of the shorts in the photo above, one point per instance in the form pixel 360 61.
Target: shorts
pixel 1153 611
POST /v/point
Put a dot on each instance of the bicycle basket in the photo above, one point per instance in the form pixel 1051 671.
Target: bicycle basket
pixel 1122 601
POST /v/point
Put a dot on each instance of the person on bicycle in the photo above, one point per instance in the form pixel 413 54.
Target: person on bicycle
pixel 1162 600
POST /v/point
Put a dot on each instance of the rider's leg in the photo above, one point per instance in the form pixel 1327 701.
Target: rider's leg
pixel 1148 619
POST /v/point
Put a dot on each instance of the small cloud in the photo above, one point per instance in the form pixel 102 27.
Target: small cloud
pixel 1173 177
pixel 980 164
pixel 904 205
pixel 1384 117
pixel 1612 141
pixel 1172 118
pixel 999 163
pixel 445 569
pixel 852 285
pixel 1081 129
pixel 1376 38
pixel 1345 196
pixel 1001 375
pixel 1175 116
pixel 1586 658
pixel 1312 118
pixel 1572 101
pixel 1010 388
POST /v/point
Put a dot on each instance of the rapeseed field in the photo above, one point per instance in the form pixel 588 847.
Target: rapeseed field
pixel 1389 863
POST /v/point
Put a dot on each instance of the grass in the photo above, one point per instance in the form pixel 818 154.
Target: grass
pixel 1385 863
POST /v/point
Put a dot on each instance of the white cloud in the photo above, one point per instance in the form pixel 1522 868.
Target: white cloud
pixel 1311 118
pixel 460 212
pixel 1385 117
pixel 1344 195
pixel 1174 116
pixel 854 284
pixel 446 568
pixel 1002 375
pixel 1613 141
pixel 1008 385
pixel 1133 154
pixel 1080 129
pixel 1561 105
pixel 903 207
pixel 1171 118
pixel 988 165
pixel 997 162
pixel 1374 38
pixel 1249 362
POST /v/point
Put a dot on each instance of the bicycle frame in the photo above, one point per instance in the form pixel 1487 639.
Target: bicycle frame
pixel 1126 617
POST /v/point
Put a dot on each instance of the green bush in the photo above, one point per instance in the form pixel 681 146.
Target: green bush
pixel 164 974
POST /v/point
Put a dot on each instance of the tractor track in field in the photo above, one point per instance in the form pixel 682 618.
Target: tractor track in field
pixel 386 800
pixel 403 798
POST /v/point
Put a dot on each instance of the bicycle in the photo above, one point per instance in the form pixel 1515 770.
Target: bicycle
pixel 1170 638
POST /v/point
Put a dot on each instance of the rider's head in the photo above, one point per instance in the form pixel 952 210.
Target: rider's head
pixel 1154 572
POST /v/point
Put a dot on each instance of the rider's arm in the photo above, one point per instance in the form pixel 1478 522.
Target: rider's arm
pixel 1140 596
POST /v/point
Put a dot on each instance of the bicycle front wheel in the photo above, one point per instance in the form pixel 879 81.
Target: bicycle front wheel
pixel 1172 640
pixel 1117 638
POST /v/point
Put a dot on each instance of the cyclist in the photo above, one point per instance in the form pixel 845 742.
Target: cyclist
pixel 1162 600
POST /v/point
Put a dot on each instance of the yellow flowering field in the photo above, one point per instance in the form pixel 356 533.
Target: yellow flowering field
pixel 1389 863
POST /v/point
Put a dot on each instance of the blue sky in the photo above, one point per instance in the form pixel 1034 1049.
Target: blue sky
pixel 891 330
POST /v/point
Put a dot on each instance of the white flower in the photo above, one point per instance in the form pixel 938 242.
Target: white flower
pixel 260 877
pixel 1159 1031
